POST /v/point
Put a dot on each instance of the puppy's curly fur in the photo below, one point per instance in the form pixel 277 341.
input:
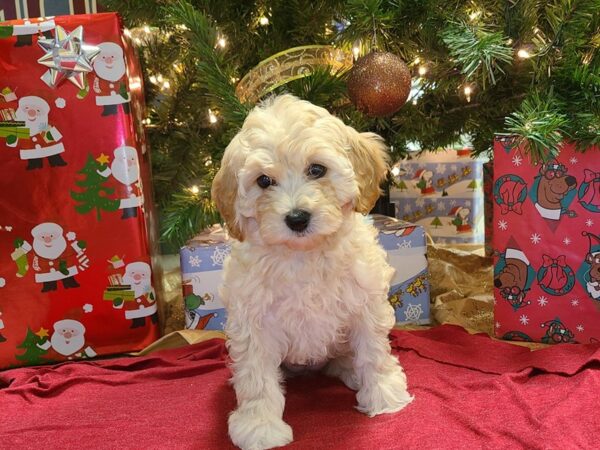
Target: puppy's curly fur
pixel 313 297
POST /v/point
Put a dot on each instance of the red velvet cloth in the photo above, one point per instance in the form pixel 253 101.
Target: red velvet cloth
pixel 470 392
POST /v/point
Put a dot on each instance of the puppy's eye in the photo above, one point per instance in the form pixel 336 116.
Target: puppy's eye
pixel 264 181
pixel 316 171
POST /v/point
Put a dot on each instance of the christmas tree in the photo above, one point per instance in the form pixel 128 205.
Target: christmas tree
pixel 94 194
pixel 478 67
pixel 33 354
pixel 436 222
pixel 472 185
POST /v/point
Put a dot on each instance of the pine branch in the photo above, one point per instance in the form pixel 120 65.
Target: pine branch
pixel 540 125
pixel 211 64
pixel 480 51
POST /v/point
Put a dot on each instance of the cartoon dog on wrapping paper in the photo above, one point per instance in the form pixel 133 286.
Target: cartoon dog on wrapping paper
pixel 592 276
pixel 553 186
pixel 306 283
pixel 513 276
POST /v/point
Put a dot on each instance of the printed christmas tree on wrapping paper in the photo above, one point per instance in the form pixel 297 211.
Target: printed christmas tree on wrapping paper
pixel 33 353
pixel 95 192
pixel 436 222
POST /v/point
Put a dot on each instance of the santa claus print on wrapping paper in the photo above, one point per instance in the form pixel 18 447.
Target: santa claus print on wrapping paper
pixel 125 168
pixel 110 81
pixel 134 293
pixel 557 333
pixel 553 190
pixel 25 29
pixel 41 140
pixel 66 342
pixel 54 257
pixel 513 276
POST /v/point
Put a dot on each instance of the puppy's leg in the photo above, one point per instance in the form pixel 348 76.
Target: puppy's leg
pixel 342 367
pixel 382 381
pixel 257 422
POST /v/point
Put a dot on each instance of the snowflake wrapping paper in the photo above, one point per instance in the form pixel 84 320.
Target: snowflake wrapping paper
pixel 442 192
pixel 202 266
pixel 76 214
pixel 546 245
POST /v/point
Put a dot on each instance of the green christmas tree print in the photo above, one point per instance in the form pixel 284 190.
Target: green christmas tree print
pixel 401 185
pixel 33 354
pixel 436 222
pixel 472 185
pixel 94 194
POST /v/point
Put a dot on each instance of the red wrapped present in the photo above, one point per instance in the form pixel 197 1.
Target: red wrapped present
pixel 546 245
pixel 75 194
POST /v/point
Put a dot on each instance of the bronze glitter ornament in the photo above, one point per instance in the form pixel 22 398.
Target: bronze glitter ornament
pixel 379 84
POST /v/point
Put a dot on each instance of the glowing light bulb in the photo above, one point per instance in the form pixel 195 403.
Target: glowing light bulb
pixel 221 42
pixel 509 41
pixel 212 118
pixel 166 85
pixel 474 15
pixel 194 189
pixel 414 101
pixel 264 21
pixel 417 60
pixel 422 70
pixel 127 32
pixel 356 52
pixel 159 78
pixel 523 53
pixel 153 79
pixel 146 29
pixel 468 90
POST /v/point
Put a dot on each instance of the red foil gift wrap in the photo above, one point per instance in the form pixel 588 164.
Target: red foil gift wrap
pixel 76 213
pixel 546 241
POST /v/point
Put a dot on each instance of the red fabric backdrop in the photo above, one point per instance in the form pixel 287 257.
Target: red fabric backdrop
pixel 470 392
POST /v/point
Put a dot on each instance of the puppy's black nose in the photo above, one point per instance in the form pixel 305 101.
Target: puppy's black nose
pixel 297 220
pixel 571 181
pixel 497 282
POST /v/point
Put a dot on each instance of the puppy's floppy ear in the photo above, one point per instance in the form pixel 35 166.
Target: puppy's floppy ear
pixel 369 158
pixel 224 193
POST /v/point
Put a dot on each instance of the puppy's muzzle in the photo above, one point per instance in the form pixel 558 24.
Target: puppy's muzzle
pixel 297 220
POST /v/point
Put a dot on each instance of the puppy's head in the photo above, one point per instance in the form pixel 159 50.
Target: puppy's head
pixel 294 173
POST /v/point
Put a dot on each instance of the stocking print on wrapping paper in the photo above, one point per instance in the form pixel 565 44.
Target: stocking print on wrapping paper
pixel 589 191
pixel 589 271
pixel 553 191
pixel 513 276
pixel 555 277
pixel 510 191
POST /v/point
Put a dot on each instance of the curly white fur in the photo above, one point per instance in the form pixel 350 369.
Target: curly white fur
pixel 304 299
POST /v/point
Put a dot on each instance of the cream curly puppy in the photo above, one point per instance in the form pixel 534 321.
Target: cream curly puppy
pixel 306 284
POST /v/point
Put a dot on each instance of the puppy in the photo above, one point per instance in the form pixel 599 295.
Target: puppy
pixel 306 283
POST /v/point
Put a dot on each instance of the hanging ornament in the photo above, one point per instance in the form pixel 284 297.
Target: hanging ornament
pixel 379 84
pixel 67 57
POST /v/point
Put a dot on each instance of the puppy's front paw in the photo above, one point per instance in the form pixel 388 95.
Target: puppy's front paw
pixel 387 395
pixel 251 431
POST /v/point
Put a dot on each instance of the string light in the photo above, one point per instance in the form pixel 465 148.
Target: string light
pixel 264 21
pixel 194 189
pixel 159 78
pixel 474 15
pixel 468 90
pixel 178 67
pixel 221 42
pixel 509 41
pixel 414 101
pixel 356 52
pixel 166 85
pixel 127 32
pixel 417 61
pixel 234 79
pixel 212 118
pixel 422 70
pixel 137 41
pixel 523 53
pixel 146 29
pixel 153 79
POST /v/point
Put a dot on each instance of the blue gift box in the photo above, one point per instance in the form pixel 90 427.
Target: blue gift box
pixel 443 192
pixel 406 248
pixel 202 265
